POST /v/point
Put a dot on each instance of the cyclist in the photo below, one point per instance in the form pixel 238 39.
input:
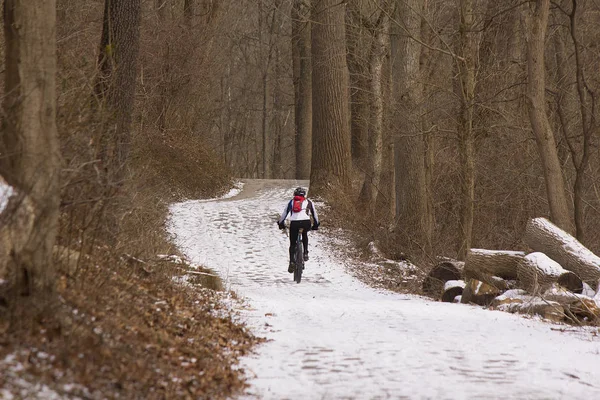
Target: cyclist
pixel 300 210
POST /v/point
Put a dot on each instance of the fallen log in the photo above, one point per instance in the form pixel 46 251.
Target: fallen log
pixel 525 304
pixel 451 290
pixel 537 272
pixel 441 273
pixel 509 297
pixel 543 236
pixel 500 263
pixel 479 293
pixel 581 306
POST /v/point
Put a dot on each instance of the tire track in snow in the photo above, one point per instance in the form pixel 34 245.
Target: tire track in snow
pixel 332 337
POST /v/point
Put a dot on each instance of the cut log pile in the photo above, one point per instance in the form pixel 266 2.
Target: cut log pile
pixel 558 280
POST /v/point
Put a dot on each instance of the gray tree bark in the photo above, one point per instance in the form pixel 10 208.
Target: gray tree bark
pixel 466 68
pixel 411 194
pixel 358 39
pixel 115 86
pixel 379 49
pixel 302 71
pixel 331 129
pixel 30 155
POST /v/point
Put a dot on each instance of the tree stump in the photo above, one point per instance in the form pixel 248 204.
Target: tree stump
pixel 478 292
pixel 443 272
pixel 537 272
pixel 451 290
pixel 543 236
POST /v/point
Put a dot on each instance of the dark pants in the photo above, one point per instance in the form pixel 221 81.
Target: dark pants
pixel 294 231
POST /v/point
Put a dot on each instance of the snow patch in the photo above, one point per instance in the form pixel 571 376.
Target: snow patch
pixel 545 264
pixel 587 290
pixel 507 252
pixel 6 191
pixel 333 337
pixel 237 189
pixel 451 284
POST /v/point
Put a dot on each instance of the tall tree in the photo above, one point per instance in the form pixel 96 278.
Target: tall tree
pixel 379 49
pixel 411 193
pixel 536 100
pixel 29 144
pixel 331 129
pixel 115 86
pixel 466 69
pixel 302 72
pixel 358 40
pixel 579 106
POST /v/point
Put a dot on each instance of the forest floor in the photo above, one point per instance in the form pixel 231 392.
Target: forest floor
pixel 129 329
pixel 335 336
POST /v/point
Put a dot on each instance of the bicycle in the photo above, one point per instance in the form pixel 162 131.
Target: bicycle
pixel 299 257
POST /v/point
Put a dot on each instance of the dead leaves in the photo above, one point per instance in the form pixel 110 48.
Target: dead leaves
pixel 137 335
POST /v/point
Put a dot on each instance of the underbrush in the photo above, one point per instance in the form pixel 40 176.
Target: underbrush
pixel 376 257
pixel 126 322
pixel 125 329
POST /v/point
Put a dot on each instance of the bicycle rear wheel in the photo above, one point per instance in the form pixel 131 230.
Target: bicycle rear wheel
pixel 299 261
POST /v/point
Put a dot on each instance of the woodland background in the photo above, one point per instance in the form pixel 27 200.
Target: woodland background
pixel 430 126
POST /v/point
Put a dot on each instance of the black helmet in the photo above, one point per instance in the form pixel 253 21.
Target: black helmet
pixel 300 192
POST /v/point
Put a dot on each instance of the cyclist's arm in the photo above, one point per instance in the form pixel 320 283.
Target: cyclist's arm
pixel 285 212
pixel 313 211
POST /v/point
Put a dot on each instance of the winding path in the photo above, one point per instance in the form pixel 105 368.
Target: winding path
pixel 331 337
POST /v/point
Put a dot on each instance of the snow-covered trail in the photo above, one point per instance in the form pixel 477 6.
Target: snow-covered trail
pixel 331 337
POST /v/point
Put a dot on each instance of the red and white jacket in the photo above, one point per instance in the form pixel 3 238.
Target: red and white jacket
pixel 304 214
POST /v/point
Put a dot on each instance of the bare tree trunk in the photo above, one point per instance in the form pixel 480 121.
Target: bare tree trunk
pixel 371 185
pixel 302 87
pixel 161 7
pixel 358 66
pixel 188 11
pixel 279 121
pixel 29 144
pixel 466 67
pixel 270 23
pixel 536 101
pixel 386 201
pixel 116 82
pixel 331 129
pixel 587 107
pixel 411 201
pixel 427 128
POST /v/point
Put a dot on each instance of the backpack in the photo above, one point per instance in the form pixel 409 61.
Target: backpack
pixel 297 204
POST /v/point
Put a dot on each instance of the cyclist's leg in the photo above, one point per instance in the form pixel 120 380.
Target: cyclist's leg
pixel 306 226
pixel 294 228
